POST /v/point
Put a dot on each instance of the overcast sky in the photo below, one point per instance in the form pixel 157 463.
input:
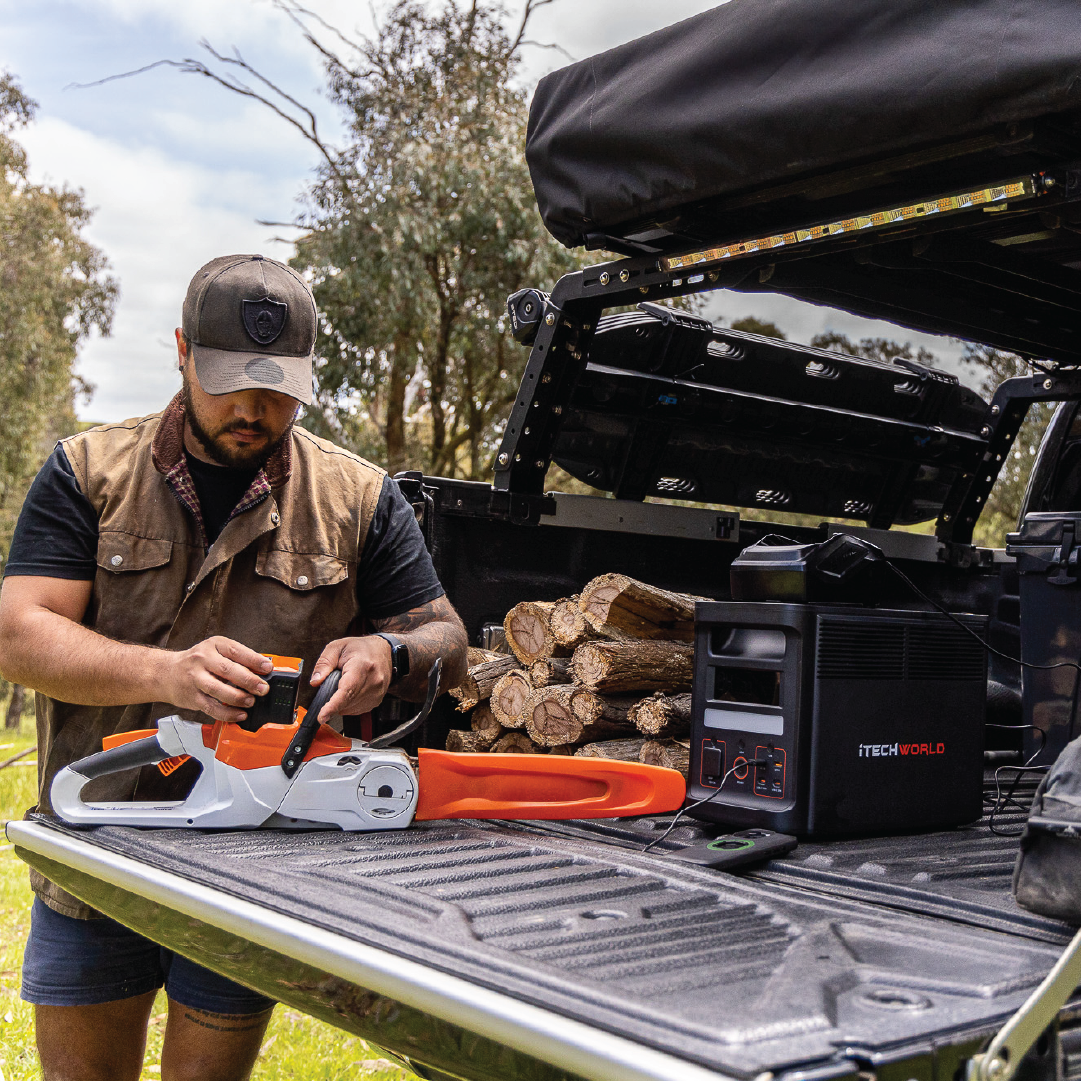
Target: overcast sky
pixel 180 171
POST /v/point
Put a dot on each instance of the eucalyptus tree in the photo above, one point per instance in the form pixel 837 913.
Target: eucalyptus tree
pixel 54 289
pixel 416 227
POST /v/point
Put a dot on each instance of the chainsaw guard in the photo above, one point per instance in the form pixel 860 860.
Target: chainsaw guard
pixel 530 786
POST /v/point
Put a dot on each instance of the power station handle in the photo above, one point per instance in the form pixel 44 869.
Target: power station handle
pixel 302 741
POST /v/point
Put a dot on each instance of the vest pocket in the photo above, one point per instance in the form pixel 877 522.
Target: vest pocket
pixel 120 552
pixel 300 570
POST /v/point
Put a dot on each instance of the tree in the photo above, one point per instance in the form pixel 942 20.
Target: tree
pixel 54 289
pixel 416 229
pixel 751 325
pixel 881 349
pixel 1003 506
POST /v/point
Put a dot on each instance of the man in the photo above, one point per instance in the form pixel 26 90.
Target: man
pixel 154 562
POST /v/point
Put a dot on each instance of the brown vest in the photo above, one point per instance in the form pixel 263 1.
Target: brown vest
pixel 280 578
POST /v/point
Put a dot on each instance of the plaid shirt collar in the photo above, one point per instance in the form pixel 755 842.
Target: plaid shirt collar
pixel 171 463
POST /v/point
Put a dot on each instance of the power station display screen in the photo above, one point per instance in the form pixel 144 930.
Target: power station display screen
pixel 758 692
pixel 750 686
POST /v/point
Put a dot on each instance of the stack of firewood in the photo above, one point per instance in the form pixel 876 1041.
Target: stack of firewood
pixel 604 674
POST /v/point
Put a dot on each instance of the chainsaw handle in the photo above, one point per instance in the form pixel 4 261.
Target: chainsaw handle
pixel 140 752
pixel 299 745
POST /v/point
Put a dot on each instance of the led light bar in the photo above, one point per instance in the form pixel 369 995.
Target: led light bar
pixel 1023 188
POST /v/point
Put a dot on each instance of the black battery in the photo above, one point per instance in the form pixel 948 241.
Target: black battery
pixel 866 720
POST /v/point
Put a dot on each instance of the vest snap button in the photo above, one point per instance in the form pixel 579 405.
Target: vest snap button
pixel 302 580
pixel 191 586
pixel 116 560
pixel 275 517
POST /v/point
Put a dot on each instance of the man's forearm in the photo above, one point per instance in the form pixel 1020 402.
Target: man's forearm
pixel 70 662
pixel 430 631
pixel 44 645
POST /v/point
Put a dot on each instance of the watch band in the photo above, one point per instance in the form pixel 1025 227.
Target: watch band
pixel 399 656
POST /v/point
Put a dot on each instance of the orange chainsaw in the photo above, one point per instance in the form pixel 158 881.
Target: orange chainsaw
pixel 304 775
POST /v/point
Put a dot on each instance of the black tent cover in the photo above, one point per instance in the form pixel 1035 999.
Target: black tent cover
pixel 756 92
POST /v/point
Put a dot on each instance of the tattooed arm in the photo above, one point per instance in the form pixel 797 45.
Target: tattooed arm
pixel 431 630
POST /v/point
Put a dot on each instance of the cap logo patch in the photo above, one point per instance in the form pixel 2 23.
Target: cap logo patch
pixel 264 370
pixel 264 319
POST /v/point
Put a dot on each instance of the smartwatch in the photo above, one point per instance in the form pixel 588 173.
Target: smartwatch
pixel 399 656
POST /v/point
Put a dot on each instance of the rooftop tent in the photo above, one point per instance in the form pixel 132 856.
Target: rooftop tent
pixel 894 158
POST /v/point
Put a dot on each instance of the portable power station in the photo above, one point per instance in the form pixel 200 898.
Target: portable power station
pixel 868 720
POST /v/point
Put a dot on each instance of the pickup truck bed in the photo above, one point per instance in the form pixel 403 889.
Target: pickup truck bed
pixel 549 950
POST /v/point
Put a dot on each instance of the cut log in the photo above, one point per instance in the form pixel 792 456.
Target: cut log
pixel 476 655
pixel 564 749
pixel 621 667
pixel 529 634
pixel 663 715
pixel 568 625
pixel 621 750
pixel 550 720
pixel 515 743
pixel 509 696
pixel 480 681
pixel 550 670
pixel 547 716
pixel 669 753
pixel 620 607
pixel 591 707
pixel 468 742
pixel 484 722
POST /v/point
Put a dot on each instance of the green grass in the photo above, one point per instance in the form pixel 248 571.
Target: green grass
pixel 296 1046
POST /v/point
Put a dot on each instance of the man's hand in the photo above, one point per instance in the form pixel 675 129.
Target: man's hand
pixel 366 671
pixel 218 677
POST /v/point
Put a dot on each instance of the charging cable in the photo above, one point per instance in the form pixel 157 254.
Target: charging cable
pixel 1002 803
pixel 754 763
pixel 879 555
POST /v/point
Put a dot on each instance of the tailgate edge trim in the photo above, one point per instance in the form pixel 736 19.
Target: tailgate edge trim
pixel 576 1047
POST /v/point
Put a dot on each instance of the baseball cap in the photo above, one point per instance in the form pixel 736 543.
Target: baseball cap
pixel 251 324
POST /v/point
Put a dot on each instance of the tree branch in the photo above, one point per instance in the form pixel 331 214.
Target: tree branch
pixel 191 66
pixel 527 13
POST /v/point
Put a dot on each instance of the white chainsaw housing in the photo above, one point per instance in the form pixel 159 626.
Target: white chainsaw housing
pixel 357 789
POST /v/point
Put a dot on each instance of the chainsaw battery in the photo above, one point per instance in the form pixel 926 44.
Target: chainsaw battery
pixel 279 704
pixel 861 720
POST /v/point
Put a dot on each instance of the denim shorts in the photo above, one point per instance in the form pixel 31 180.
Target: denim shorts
pixel 70 962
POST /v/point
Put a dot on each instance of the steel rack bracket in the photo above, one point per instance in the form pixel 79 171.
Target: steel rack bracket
pixel 1015 1039
pixel 564 329
pixel 1003 420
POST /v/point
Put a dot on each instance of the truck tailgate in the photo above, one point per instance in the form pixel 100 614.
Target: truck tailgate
pixel 503 950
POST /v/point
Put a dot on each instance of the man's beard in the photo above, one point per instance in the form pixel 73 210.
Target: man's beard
pixel 232 457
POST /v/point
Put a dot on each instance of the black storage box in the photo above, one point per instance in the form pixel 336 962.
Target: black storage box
pixel 871 720
pixel 1047 551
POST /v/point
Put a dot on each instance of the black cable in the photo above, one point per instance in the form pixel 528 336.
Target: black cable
pixel 1021 728
pixel 1001 803
pixel 754 763
pixel 968 630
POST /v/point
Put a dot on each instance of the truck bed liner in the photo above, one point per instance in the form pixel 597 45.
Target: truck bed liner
pixel 962 875
pixel 774 971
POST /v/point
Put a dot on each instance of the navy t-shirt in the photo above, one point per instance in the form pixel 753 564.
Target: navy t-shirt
pixel 57 535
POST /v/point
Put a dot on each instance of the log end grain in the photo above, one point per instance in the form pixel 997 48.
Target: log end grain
pixel 514 743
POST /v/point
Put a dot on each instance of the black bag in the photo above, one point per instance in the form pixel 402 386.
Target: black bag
pixel 1047 877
